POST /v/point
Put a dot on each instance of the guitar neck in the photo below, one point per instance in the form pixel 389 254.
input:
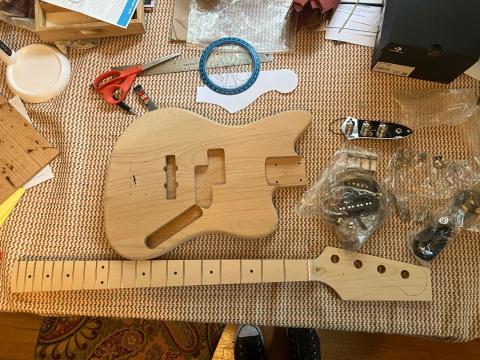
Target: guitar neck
pixel 34 276
pixel 353 276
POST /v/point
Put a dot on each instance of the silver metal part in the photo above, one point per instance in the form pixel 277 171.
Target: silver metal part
pixel 366 129
pixel 443 220
pixel 354 128
pixel 215 61
pixel 382 130
pixel 349 126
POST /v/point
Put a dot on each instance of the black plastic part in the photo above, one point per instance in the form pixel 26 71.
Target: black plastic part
pixel 431 241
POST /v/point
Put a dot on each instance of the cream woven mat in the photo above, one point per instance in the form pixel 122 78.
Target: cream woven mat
pixel 63 219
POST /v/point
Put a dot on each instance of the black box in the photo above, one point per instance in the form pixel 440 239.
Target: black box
pixel 435 40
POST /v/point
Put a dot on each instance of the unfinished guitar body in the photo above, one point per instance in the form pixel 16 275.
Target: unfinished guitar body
pixel 175 175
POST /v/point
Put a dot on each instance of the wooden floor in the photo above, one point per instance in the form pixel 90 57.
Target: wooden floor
pixel 18 336
pixel 336 345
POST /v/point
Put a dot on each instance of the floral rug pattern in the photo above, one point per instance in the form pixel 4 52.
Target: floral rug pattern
pixel 88 338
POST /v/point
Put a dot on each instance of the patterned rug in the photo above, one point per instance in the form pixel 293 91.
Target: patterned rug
pixel 113 339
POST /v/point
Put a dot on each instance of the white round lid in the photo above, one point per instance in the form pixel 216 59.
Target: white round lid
pixel 39 73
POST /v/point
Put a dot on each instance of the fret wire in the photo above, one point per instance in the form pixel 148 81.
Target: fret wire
pixel 73 274
pixel 33 275
pixel 135 275
pixel 61 276
pixel 24 275
pixel 241 271
pixel 108 274
pixel 83 280
pixel 95 282
pixel 151 274
pixel 220 271
pixel 261 271
pixel 166 272
pixel 121 274
pixel 183 275
pixel 15 268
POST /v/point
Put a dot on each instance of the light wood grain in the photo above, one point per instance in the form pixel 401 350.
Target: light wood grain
pixel 23 151
pixel 357 276
pixel 53 23
pixel 222 179
pixel 353 276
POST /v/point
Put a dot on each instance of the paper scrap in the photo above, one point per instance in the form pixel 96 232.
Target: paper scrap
pixel 178 30
pixel 46 173
pixel 474 71
pixel 356 24
pixel 283 81
pixel 8 205
pixel 115 12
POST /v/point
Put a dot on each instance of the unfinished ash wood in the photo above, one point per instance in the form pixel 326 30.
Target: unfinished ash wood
pixel 53 23
pixel 23 151
pixel 174 175
pixel 353 276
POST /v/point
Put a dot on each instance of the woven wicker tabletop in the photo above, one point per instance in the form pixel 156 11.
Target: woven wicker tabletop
pixel 63 218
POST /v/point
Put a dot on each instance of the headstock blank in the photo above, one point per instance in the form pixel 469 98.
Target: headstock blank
pixel 356 276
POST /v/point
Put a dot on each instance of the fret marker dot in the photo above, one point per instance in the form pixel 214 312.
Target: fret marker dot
pixel 251 271
pixel 174 273
pixel 101 282
pixel 143 273
pixel 211 271
pixel 47 276
pixel 68 275
pixel 29 276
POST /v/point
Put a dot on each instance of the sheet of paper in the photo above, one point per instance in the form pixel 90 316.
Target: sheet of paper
pixel 357 27
pixel 178 31
pixel 115 12
pixel 46 173
pixel 283 81
pixel 8 205
pixel 474 71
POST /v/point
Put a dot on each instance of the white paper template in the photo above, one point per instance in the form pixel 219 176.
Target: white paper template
pixel 283 81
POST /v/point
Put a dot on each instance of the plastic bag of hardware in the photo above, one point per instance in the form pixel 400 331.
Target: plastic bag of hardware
pixel 421 183
pixel 470 131
pixel 462 213
pixel 348 197
pixel 424 108
pixel 267 25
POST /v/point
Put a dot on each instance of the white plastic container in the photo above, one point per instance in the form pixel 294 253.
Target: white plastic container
pixel 36 73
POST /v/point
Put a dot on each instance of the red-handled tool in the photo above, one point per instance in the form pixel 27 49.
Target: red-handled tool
pixel 114 85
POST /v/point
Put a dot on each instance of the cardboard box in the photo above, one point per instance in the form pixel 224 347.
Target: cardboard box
pixel 435 40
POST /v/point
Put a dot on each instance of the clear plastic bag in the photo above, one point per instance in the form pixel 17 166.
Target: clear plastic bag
pixel 461 213
pixel 264 24
pixel 348 197
pixel 421 183
pixel 470 131
pixel 434 107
